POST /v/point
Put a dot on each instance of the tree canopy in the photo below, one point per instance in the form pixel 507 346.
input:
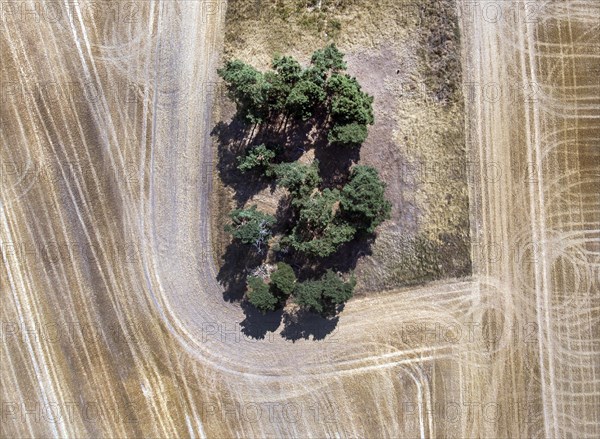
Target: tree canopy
pixel 323 107
pixel 349 103
pixel 283 279
pixel 350 134
pixel 309 295
pixel 363 198
pixel 290 89
pixel 320 230
pixel 251 226
pixel 287 68
pixel 298 178
pixel 304 98
pixel 260 295
pixel 328 58
pixel 248 88
pixel 324 294
pixel 351 110
pixel 257 157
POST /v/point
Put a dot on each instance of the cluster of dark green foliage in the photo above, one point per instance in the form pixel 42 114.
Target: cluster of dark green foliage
pixel 320 228
pixel 323 215
pixel 251 226
pixel 324 294
pixel 328 218
pixel 321 295
pixel 260 295
pixel 258 157
pixel 299 179
pixel 291 90
pixel 363 198
pixel 283 279
pixel 266 297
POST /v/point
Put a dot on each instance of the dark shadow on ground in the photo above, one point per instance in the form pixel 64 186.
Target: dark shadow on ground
pixel 346 257
pixel 239 259
pixel 334 164
pixel 306 324
pixel 256 324
pixel 234 138
pixel 343 260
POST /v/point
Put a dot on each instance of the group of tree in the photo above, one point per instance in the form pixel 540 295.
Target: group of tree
pixel 324 219
pixel 321 295
pixel 289 90
pixel 323 215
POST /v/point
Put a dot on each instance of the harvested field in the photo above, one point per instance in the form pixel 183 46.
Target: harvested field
pixel 113 322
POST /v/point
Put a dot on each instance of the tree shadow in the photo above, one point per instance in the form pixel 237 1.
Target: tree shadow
pixel 232 133
pixel 291 138
pixel 256 324
pixel 285 215
pixel 303 135
pixel 335 162
pixel 347 255
pixel 344 259
pixel 233 139
pixel 231 275
pixel 305 324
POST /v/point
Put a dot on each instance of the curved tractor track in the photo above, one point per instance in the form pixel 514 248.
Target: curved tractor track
pixel 113 323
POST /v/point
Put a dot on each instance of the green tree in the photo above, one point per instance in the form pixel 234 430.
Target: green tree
pixel 320 230
pixel 309 295
pixel 260 295
pixel 251 226
pixel 316 76
pixel 352 134
pixel 298 178
pixel 257 157
pixel 328 58
pixel 292 90
pixel 287 68
pixel 283 279
pixel 304 98
pixel 335 289
pixel 319 210
pixel 349 104
pixel 239 77
pixel 351 110
pixel 248 88
pixel 277 92
pixel 334 235
pixel 324 294
pixel 363 198
pixel 286 73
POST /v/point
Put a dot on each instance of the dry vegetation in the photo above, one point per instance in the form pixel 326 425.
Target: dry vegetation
pixel 398 51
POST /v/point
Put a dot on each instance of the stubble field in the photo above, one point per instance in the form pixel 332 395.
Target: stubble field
pixel 113 323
